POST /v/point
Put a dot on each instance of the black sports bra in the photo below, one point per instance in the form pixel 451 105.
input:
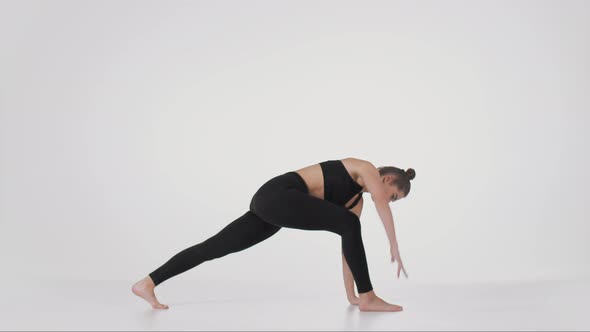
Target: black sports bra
pixel 339 186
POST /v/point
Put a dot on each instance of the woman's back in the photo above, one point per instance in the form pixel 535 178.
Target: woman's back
pixel 336 181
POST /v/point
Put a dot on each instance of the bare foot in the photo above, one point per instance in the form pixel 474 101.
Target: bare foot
pixel 375 303
pixel 145 289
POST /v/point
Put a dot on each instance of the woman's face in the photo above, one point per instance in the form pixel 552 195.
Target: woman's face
pixel 392 190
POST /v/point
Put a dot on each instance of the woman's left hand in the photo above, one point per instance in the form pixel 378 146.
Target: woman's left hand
pixel 354 300
pixel 395 256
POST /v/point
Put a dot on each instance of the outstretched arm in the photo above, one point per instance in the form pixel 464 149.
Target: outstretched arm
pixel 348 277
pixel 370 175
pixel 372 179
pixel 349 283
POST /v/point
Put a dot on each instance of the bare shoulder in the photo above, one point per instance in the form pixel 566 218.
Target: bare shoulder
pixel 360 170
pixel 355 165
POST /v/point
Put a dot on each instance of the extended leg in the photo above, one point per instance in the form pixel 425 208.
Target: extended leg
pixel 240 234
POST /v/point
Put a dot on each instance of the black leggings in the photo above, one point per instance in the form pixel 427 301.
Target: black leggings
pixel 282 201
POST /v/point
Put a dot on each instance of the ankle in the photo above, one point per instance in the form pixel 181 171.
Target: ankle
pixel 367 295
pixel 149 282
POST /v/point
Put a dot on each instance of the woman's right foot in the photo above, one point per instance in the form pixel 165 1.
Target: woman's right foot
pixel 372 302
pixel 145 289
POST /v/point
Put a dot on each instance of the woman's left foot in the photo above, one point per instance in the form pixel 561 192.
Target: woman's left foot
pixel 145 289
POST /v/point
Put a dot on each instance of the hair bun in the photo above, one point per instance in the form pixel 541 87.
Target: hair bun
pixel 410 173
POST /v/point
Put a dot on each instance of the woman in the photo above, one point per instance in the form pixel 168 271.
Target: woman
pixel 325 196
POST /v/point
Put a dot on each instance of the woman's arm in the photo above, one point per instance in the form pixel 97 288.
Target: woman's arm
pixel 372 179
pixel 349 283
pixel 348 277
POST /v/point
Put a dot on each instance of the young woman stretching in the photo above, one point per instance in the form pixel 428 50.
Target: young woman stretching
pixel 324 196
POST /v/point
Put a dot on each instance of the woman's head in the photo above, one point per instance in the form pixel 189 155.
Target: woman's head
pixel 397 181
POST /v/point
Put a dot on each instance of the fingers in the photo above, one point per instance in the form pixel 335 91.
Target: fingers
pixel 400 266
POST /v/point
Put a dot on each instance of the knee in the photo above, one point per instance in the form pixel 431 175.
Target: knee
pixel 352 224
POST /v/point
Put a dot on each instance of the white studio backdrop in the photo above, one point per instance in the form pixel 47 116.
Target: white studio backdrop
pixel 131 130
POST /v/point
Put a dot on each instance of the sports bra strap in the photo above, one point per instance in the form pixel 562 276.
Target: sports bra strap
pixel 358 198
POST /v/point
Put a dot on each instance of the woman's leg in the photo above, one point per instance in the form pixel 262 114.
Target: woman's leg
pixel 293 208
pixel 240 234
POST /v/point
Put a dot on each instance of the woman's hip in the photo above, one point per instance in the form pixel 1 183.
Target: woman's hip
pixel 284 201
pixel 287 181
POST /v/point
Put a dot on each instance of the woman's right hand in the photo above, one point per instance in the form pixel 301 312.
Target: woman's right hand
pixel 400 265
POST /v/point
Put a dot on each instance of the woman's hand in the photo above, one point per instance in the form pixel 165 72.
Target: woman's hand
pixel 400 265
pixel 354 300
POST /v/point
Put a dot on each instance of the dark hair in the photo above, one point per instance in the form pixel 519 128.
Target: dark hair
pixel 402 178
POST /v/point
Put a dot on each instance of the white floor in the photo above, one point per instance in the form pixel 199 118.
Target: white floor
pixel 221 305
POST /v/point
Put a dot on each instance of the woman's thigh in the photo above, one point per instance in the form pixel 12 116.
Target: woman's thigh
pixel 293 208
